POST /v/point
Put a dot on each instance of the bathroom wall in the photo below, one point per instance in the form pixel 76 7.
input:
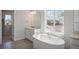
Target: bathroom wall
pixel 71 21
pixel 19 24
pixel 43 20
pixel 33 19
pixel 0 27
pixel 22 19
pixel 38 19
pixel 68 26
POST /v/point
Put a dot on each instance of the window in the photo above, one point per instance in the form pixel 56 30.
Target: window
pixel 8 19
pixel 55 20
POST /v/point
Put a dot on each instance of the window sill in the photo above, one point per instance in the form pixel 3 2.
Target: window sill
pixel 58 34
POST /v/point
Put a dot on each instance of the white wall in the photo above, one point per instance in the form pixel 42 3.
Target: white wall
pixel 0 27
pixel 19 24
pixel 22 19
pixel 38 19
pixel 33 20
pixel 43 20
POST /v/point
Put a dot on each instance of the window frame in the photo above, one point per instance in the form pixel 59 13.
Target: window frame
pixel 55 32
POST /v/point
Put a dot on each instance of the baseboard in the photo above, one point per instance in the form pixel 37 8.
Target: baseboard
pixel 28 39
pixel 15 39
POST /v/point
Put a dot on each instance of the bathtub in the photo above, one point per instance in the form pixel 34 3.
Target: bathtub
pixel 45 41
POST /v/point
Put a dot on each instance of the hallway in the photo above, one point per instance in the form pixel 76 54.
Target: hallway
pixel 7 36
pixel 7 25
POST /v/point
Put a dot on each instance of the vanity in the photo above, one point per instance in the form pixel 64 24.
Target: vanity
pixel 29 32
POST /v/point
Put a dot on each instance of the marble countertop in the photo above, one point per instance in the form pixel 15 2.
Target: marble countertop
pixel 75 35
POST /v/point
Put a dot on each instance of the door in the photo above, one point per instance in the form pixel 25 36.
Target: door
pixel 7 26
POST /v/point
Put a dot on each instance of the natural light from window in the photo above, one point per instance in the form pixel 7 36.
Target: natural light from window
pixel 55 20
pixel 8 19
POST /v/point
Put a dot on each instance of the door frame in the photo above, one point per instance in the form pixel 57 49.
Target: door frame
pixel 11 13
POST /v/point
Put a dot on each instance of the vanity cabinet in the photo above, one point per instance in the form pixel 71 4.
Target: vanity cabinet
pixel 29 33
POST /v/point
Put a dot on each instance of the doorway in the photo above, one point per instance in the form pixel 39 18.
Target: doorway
pixel 7 25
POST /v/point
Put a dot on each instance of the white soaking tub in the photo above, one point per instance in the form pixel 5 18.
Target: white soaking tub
pixel 45 41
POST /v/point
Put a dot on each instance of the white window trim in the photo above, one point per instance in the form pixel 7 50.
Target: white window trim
pixel 59 34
